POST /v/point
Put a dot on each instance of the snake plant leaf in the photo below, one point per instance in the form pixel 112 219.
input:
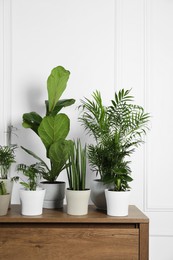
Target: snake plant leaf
pixel 59 105
pixel 32 120
pixel 56 85
pixel 58 154
pixel 53 128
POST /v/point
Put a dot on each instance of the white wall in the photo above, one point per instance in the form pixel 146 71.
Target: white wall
pixel 107 45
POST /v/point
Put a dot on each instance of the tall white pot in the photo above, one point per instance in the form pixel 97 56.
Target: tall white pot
pixel 32 202
pixel 117 202
pixel 77 202
pixel 55 194
pixel 98 193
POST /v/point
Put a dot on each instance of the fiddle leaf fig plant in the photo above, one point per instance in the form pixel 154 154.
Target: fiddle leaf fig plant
pixel 54 127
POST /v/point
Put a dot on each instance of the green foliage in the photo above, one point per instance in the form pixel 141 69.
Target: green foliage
pixel 32 120
pixel 31 172
pixel 53 127
pixel 56 85
pixel 117 129
pixel 76 167
pixel 58 155
pixel 3 190
pixel 7 157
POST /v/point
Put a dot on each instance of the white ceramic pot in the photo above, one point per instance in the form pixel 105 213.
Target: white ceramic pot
pixel 55 194
pixel 98 193
pixel 4 203
pixel 9 187
pixel 117 202
pixel 77 202
pixel 32 202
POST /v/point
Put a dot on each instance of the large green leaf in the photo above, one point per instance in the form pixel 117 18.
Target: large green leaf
pixel 58 154
pixel 32 120
pixel 53 128
pixel 36 157
pixel 59 105
pixel 56 85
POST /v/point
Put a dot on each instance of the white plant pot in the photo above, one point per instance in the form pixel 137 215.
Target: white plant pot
pixel 4 203
pixel 117 202
pixel 32 202
pixel 9 187
pixel 55 194
pixel 77 202
pixel 98 193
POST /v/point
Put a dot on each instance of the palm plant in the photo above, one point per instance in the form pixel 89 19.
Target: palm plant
pixel 76 167
pixel 117 129
pixel 7 157
pixel 32 172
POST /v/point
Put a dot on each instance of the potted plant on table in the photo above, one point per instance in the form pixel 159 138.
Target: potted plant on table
pixel 77 194
pixel 4 199
pixel 7 158
pixel 53 129
pixel 31 196
pixel 117 129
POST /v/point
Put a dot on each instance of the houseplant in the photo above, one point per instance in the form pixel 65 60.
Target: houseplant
pixel 53 129
pixel 7 158
pixel 117 130
pixel 77 195
pixel 31 196
pixel 4 199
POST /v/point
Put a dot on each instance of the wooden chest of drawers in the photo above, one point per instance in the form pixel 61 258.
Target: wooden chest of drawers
pixel 56 235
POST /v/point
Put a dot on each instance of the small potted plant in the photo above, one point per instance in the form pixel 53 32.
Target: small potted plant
pixel 117 130
pixel 4 199
pixel 77 194
pixel 31 196
pixel 52 129
pixel 7 158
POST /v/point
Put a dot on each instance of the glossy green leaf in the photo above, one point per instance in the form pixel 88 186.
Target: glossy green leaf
pixel 32 120
pixel 53 128
pixel 58 154
pixel 60 104
pixel 56 85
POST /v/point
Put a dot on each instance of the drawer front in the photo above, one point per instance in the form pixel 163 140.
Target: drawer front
pixel 68 242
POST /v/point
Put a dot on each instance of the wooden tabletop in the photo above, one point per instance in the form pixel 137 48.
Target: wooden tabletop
pixel 60 216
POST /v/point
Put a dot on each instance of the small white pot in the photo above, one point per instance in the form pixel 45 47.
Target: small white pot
pixel 9 187
pixel 117 202
pixel 4 203
pixel 32 202
pixel 77 202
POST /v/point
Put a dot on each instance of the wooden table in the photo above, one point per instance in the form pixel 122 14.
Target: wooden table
pixel 56 235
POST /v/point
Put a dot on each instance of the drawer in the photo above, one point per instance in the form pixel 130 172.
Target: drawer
pixel 38 242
